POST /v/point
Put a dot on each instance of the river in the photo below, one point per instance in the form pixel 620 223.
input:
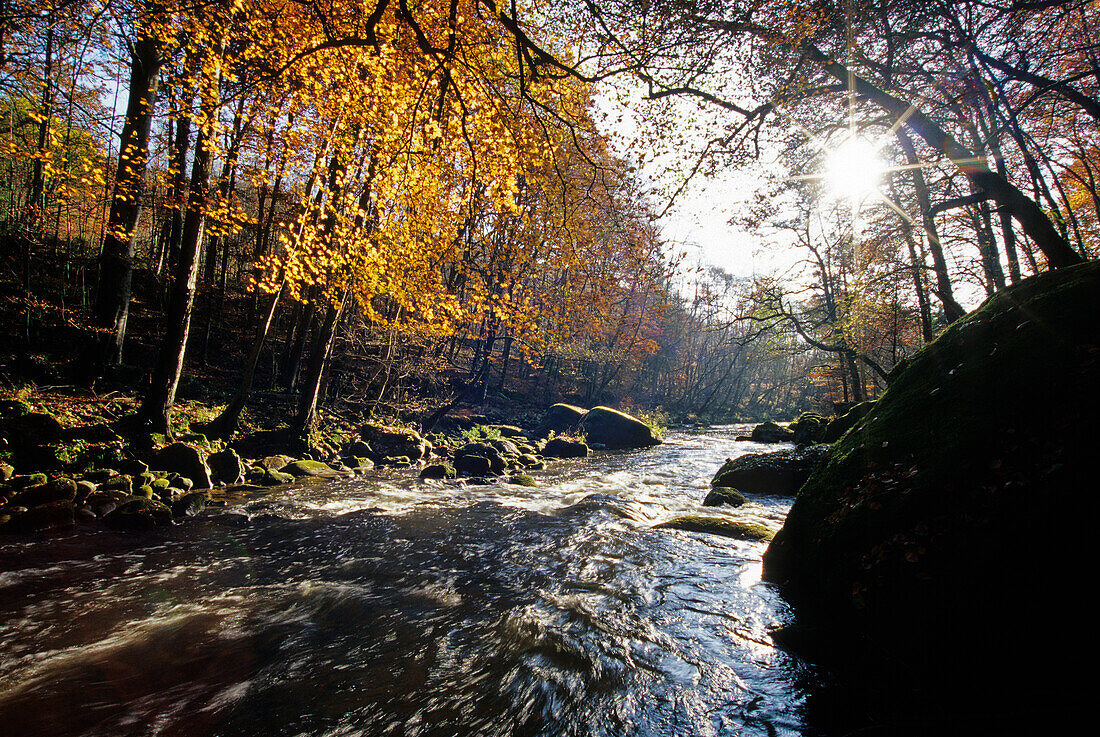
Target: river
pixel 383 605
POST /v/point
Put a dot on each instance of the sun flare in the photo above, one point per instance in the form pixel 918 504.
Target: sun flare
pixel 854 170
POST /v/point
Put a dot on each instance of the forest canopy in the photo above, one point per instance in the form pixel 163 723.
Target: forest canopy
pixel 390 202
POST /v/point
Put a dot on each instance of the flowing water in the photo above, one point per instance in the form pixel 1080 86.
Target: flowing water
pixel 385 606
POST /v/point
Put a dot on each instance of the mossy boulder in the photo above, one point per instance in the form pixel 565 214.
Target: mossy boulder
pixel 522 479
pixel 808 428
pixel 385 441
pixel 271 477
pixel 845 422
pixel 473 465
pixel 61 489
pixel 717 526
pixel 724 496
pixel 614 429
pixel 497 462
pixel 780 473
pixel 438 471
pixel 226 467
pixel 770 432
pixel 190 504
pixel 559 418
pixel 186 460
pixel 927 534
pixel 311 468
pixel 564 448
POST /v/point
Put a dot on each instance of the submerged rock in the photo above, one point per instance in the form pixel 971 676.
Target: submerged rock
pixel 614 429
pixel 918 540
pixel 717 526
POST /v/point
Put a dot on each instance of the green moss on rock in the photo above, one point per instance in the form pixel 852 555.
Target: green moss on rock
pixel 718 526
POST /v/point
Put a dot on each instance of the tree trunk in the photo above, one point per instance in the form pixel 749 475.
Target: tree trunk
pixel 1026 211
pixel 158 402
pixel 116 260
pixel 306 419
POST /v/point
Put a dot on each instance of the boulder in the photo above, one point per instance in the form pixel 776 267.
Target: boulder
pixel 275 463
pixel 473 465
pixel 271 477
pixel 185 460
pixel 394 441
pixel 724 495
pixel 560 418
pixel 840 425
pixel 780 473
pixel 769 432
pixel 226 467
pixel 190 504
pixel 950 526
pixel 497 463
pixel 311 468
pixel 438 471
pixel 614 429
pixel 564 448
pixel 809 428
pixel 52 491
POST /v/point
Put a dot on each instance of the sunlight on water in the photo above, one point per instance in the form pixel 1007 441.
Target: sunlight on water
pixel 383 605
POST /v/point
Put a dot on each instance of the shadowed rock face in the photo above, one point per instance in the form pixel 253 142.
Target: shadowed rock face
pixel 560 418
pixel 614 429
pixel 917 541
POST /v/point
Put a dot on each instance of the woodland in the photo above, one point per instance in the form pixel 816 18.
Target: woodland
pixel 394 207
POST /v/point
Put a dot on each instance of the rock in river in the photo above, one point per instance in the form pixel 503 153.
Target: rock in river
pixel 614 429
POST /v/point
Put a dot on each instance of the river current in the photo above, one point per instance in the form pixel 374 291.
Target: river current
pixel 382 605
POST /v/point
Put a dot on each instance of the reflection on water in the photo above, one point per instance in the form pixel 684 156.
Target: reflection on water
pixel 384 606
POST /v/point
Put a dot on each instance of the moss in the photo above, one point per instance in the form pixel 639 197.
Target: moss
pixel 718 526
pixel 522 479
pixel 911 531
pixel 724 495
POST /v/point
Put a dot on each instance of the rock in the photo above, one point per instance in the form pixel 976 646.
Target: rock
pixel 311 468
pixel 185 460
pixel 271 477
pixel 104 502
pixel 781 473
pixel 504 447
pixel 52 491
pixel 497 463
pixel 724 496
pixel 769 432
pixel 84 489
pixel 394 441
pixel 522 479
pixel 359 464
pixel 133 467
pixel 43 518
pixel 840 425
pixel 560 418
pixel 717 526
pixel 139 514
pixel 358 449
pixel 6 472
pixel 33 428
pixel 809 428
pixel 614 429
pixel 438 471
pixel 13 408
pixel 511 432
pixel 191 504
pixel 563 448
pixel 472 465
pixel 22 481
pixel 226 467
pixel 275 462
pixel 935 523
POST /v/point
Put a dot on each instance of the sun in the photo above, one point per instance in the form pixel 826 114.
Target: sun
pixel 853 170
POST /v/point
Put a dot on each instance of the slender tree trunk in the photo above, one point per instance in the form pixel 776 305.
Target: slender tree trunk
pixel 116 260
pixel 306 419
pixel 158 402
pixel 951 309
